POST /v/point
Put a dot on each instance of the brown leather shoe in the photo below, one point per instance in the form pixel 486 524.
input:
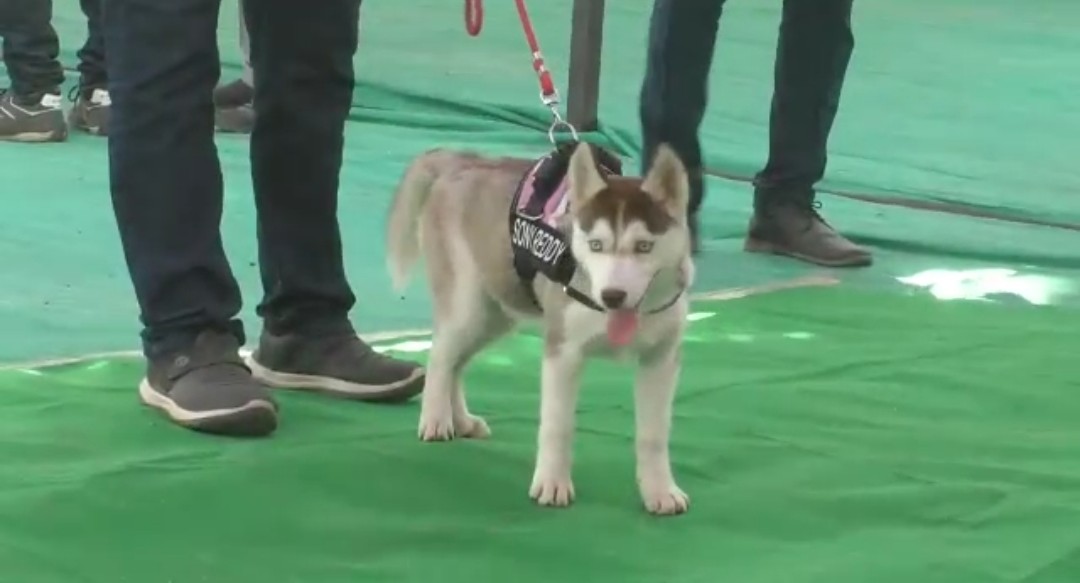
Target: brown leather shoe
pixel 797 230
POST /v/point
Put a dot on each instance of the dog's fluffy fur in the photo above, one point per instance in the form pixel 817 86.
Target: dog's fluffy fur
pixel 629 235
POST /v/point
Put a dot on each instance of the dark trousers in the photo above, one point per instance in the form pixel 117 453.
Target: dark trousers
pixel 812 58
pixel 166 178
pixel 92 73
pixel 32 49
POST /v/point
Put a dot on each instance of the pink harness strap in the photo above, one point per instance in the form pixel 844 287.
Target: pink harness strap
pixel 556 203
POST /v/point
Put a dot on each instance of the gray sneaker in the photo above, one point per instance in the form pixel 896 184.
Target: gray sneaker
pixel 36 118
pixel 91 111
pixel 342 365
pixel 207 388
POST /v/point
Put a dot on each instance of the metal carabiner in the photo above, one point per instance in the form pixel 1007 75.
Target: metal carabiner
pixel 559 123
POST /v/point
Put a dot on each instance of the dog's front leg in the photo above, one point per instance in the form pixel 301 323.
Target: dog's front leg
pixel 654 393
pixel 552 484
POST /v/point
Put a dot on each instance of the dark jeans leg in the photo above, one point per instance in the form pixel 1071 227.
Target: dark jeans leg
pixel 92 54
pixel 302 55
pixel 164 170
pixel 682 35
pixel 811 61
pixel 31 47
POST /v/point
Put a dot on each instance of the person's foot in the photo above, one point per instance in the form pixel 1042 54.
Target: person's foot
pixel 32 118
pixel 234 107
pixel 91 110
pixel 341 364
pixel 797 230
pixel 208 388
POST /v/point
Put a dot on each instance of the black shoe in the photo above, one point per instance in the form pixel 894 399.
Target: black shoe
pixel 234 107
pixel 342 365
pixel 32 118
pixel 91 110
pixel 207 388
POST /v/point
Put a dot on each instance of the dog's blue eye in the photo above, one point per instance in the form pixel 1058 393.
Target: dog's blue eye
pixel 643 247
pixel 596 246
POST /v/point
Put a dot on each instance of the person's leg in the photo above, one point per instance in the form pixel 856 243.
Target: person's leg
pixel 234 112
pixel 30 111
pixel 815 47
pixel 304 80
pixel 91 110
pixel 167 195
pixel 92 54
pixel 682 37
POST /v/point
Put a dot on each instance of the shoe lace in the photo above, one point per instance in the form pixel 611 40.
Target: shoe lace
pixel 813 213
pixel 74 92
pixel 809 210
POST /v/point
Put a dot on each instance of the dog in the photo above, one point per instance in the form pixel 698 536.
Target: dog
pixel 627 244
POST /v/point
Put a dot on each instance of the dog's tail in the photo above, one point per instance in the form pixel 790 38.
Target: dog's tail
pixel 402 227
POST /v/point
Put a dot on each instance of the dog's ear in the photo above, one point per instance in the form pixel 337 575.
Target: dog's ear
pixel 667 181
pixel 585 178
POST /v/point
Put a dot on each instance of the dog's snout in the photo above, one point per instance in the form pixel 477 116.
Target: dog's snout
pixel 613 298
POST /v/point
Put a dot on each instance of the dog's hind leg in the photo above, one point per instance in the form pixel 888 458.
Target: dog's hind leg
pixel 466 320
pixel 459 335
pixel 495 325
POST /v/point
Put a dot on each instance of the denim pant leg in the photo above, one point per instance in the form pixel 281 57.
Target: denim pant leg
pixel 164 171
pixel 812 59
pixel 302 54
pixel 31 47
pixel 682 37
pixel 92 54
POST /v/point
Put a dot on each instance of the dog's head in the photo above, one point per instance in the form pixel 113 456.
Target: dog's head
pixel 625 230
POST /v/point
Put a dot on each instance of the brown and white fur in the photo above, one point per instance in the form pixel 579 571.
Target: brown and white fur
pixel 625 232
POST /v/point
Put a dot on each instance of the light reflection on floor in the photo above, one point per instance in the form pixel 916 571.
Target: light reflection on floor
pixel 418 345
pixel 984 284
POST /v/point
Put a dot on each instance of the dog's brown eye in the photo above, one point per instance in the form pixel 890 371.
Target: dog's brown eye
pixel 596 246
pixel 643 246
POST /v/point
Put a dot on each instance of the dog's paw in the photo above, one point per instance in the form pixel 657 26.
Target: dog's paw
pixel 665 499
pixel 549 489
pixel 436 427
pixel 472 427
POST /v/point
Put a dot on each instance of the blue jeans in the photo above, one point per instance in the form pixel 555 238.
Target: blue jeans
pixel 32 49
pixel 812 57
pixel 166 178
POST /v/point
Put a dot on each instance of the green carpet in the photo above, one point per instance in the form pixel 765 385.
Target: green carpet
pixel 968 105
pixel 898 440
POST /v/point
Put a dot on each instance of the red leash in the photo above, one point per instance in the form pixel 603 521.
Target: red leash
pixel 549 94
pixel 474 17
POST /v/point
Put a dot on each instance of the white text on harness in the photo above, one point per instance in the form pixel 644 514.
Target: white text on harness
pixel 538 241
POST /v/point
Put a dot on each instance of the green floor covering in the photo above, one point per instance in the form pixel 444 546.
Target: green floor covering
pixel 969 104
pixel 936 444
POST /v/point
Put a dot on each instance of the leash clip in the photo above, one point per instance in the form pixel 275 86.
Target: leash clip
pixel 557 122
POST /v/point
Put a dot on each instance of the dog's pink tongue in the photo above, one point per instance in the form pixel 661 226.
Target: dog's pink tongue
pixel 621 327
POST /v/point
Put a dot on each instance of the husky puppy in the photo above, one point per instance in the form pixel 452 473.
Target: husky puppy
pixel 628 243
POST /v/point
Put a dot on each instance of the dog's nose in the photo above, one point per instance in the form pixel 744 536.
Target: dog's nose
pixel 612 298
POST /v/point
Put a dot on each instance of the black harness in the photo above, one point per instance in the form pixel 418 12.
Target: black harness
pixel 539 248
